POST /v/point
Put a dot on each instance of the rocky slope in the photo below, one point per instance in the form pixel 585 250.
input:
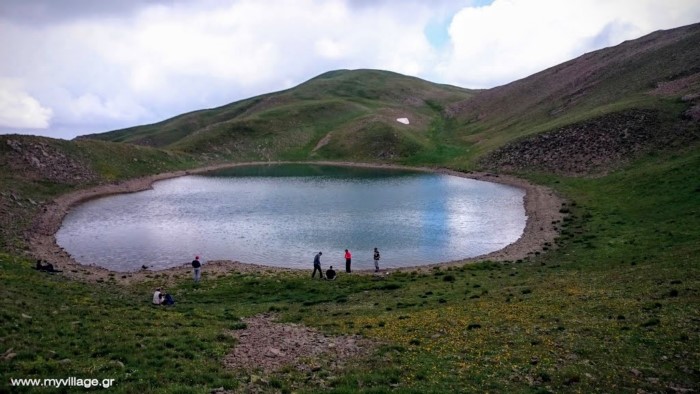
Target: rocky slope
pixel 594 146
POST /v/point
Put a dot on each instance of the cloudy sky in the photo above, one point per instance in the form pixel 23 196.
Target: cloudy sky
pixel 72 67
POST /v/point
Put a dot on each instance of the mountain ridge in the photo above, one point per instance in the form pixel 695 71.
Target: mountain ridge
pixel 629 75
pixel 351 114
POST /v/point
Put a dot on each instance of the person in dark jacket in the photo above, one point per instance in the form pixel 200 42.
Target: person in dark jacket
pixel 376 260
pixel 330 274
pixel 197 269
pixel 46 268
pixel 317 266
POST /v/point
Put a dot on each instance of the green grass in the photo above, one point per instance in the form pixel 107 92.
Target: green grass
pixel 122 161
pixel 612 309
pixel 442 147
pixel 288 124
pixel 60 328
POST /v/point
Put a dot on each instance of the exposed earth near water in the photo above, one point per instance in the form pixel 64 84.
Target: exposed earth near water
pixel 541 204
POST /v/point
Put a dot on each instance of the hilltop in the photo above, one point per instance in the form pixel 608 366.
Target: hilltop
pixel 343 114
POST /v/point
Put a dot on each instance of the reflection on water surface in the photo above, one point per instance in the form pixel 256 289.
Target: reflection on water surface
pixel 281 215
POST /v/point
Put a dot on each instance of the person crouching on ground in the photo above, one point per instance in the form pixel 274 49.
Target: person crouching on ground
pixel 330 274
pixel 317 266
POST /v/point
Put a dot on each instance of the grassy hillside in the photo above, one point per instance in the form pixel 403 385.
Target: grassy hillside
pixel 333 116
pixel 654 71
pixel 612 307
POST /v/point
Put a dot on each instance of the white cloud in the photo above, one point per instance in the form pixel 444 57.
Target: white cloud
pixel 329 49
pixel 111 68
pixel 511 39
pixel 90 108
pixel 20 110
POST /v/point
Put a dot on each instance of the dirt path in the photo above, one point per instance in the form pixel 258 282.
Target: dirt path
pixel 267 346
pixel 542 207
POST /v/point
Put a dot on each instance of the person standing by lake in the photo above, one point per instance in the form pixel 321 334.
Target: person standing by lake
pixel 197 269
pixel 376 260
pixel 317 266
pixel 348 260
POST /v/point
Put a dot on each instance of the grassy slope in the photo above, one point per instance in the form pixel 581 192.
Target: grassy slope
pixel 613 309
pixel 608 80
pixel 354 105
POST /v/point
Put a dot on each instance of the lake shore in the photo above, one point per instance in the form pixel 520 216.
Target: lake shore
pixel 542 207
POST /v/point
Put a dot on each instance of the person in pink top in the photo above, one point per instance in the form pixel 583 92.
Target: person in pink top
pixel 348 260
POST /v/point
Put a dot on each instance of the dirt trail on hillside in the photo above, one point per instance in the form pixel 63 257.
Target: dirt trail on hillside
pixel 542 207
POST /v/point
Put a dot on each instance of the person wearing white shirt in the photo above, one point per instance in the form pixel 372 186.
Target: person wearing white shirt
pixel 158 297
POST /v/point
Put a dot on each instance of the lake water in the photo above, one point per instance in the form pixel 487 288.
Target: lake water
pixel 282 215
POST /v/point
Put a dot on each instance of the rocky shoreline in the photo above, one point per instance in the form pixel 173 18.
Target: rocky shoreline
pixel 542 207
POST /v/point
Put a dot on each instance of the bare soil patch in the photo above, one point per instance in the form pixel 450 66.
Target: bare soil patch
pixel 267 346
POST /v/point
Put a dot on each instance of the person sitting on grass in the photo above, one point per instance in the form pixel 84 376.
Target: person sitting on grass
pixel 160 298
pixel 46 268
pixel 330 274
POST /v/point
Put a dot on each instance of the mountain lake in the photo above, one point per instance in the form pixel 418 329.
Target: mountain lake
pixel 282 215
